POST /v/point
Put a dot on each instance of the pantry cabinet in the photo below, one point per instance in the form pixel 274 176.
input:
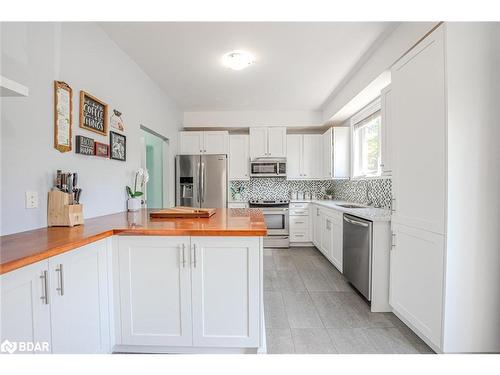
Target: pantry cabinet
pixel 304 156
pixel 239 157
pixel 62 301
pixel 188 292
pixel 335 153
pixel 203 142
pixel 267 142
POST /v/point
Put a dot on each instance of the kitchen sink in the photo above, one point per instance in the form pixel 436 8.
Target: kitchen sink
pixel 351 205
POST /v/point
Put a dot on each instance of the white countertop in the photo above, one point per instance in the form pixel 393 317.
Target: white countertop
pixel 369 213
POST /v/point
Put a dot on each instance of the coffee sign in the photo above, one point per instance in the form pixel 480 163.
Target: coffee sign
pixel 93 114
pixel 84 145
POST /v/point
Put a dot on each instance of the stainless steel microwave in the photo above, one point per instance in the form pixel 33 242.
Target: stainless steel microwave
pixel 267 167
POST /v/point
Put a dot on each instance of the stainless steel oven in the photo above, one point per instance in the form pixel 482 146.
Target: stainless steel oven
pixel 268 167
pixel 277 221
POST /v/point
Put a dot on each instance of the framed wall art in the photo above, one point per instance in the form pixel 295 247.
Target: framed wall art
pixel 84 145
pixel 93 114
pixel 117 146
pixel 101 149
pixel 63 116
pixel 117 121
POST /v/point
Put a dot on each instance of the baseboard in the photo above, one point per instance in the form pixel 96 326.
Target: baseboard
pixel 301 244
pixel 150 349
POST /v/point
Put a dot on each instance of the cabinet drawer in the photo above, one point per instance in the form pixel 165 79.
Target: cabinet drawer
pixel 299 212
pixel 299 236
pixel 299 223
pixel 299 205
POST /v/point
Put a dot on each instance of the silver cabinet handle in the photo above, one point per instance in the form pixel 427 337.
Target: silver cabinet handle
pixel 60 289
pixel 393 209
pixel 183 256
pixel 328 224
pixel 194 255
pixel 45 295
pixel 393 241
pixel 299 222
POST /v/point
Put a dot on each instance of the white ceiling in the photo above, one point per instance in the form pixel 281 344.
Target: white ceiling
pixel 298 64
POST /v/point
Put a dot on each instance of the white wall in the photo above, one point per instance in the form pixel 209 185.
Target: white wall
pixel 472 308
pixel 252 118
pixel 389 51
pixel 83 56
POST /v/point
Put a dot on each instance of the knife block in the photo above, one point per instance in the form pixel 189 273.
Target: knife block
pixel 60 213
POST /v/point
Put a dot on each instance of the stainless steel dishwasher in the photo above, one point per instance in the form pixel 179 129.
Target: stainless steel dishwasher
pixel 357 254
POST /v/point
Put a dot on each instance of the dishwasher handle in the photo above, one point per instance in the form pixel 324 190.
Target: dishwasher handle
pixel 355 222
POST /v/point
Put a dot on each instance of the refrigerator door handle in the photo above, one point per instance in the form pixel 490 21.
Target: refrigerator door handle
pixel 202 183
pixel 199 185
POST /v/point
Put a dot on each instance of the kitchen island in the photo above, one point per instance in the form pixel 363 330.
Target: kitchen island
pixel 127 283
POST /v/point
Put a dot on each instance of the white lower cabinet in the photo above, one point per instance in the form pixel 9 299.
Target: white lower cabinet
pixel 155 290
pixel 416 291
pixel 25 311
pixel 62 301
pixel 300 222
pixel 327 234
pixel 189 292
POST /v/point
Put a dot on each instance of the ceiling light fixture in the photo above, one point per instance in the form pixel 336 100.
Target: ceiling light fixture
pixel 238 60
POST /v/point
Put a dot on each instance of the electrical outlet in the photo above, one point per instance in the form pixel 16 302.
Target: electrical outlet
pixel 31 199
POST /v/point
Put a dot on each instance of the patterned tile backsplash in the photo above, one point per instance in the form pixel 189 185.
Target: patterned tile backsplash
pixel 348 190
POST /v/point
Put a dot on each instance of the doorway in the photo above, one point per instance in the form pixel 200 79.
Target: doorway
pixel 154 159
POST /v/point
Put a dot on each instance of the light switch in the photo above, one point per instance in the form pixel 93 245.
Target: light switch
pixel 31 199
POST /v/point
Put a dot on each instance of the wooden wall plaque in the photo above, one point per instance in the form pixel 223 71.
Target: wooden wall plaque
pixel 93 114
pixel 63 116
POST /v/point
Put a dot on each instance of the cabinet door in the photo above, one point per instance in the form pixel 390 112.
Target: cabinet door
pixel 416 282
pixel 276 146
pixel 327 154
pixel 215 142
pixel 312 156
pixel 336 250
pixel 293 157
pixel 327 235
pixel 190 143
pixel 226 291
pixel 419 171
pixel 25 313
pixel 317 227
pixel 155 291
pixel 341 152
pixel 80 306
pixel 386 164
pixel 258 143
pixel 239 161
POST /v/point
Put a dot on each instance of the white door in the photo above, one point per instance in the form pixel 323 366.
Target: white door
pixel 341 152
pixel 258 143
pixel 80 306
pixel 419 171
pixel 293 157
pixel 155 290
pixel 215 142
pixel 416 282
pixel 312 156
pixel 226 291
pixel 190 143
pixel 386 154
pixel 25 313
pixel 239 160
pixel 276 142
pixel 327 154
pixel 336 242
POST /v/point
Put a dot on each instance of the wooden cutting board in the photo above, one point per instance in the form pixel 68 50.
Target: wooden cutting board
pixel 182 212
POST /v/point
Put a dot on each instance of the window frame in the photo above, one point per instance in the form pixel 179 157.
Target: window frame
pixel 367 114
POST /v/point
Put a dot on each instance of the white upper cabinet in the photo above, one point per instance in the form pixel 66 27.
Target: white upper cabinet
pixel 25 307
pixel 387 147
pixel 155 290
pixel 79 300
pixel 239 157
pixel 419 119
pixel 303 156
pixel 267 142
pixel 203 142
pixel 336 153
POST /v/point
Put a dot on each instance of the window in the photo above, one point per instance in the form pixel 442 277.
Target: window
pixel 366 134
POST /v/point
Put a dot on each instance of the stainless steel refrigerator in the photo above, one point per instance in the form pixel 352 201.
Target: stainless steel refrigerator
pixel 201 181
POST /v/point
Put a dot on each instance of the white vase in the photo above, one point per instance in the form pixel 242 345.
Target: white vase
pixel 134 204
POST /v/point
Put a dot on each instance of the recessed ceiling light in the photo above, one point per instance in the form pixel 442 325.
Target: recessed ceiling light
pixel 238 60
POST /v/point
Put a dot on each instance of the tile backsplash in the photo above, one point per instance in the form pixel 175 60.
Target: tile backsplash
pixel 349 190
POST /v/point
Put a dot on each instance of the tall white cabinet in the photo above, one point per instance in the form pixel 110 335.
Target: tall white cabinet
pixel 239 157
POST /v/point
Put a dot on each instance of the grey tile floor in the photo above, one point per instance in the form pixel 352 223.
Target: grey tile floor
pixel 311 309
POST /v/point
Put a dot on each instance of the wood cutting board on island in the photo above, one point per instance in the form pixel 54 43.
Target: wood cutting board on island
pixel 182 212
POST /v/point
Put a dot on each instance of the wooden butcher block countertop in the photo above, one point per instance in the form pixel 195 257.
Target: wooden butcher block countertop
pixel 20 249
